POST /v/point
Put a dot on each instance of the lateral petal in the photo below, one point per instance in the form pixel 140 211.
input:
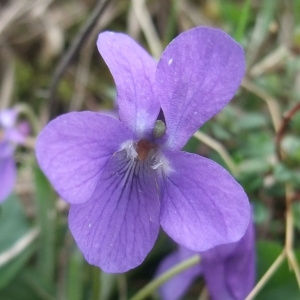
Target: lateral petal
pixel 72 150
pixel 197 75
pixel 202 205
pixel 133 70
pixel 117 228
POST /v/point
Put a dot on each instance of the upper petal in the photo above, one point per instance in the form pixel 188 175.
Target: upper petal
pixel 133 70
pixel 117 228
pixel 7 176
pixel 202 205
pixel 73 148
pixel 197 75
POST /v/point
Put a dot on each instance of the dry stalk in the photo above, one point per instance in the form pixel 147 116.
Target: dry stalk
pixel 270 62
pixel 147 26
pixel 19 246
pixel 212 143
pixel 83 68
pixel 271 271
pixel 270 101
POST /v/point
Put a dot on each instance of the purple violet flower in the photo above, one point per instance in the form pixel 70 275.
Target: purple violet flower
pixel 11 134
pixel 228 270
pixel 124 178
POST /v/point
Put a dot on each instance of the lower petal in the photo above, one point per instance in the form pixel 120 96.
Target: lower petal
pixel 117 228
pixel 202 205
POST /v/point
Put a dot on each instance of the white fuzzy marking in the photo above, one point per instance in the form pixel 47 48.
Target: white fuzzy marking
pixel 130 147
pixel 157 164
pixel 161 162
pixel 170 61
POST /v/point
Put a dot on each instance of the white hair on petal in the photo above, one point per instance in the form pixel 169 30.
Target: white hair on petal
pixel 130 147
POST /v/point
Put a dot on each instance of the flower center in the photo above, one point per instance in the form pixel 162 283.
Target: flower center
pixel 145 153
pixel 143 148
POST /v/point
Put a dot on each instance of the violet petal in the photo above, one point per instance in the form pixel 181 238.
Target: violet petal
pixel 8 118
pixel 197 75
pixel 7 176
pixel 6 150
pixel 178 285
pixel 229 270
pixel 14 135
pixel 73 149
pixel 202 205
pixel 134 73
pixel 117 228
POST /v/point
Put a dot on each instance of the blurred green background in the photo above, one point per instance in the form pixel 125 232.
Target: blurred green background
pixel 256 137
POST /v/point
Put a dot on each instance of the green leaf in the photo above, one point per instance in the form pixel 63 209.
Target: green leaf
pixel 219 132
pixel 254 165
pixel 296 214
pixel 12 268
pixel 75 276
pixel 243 20
pixel 283 284
pixel 252 121
pixel 285 175
pixel 261 213
pixel 291 146
pixel 13 226
pixel 26 286
pixel 13 222
pixel 45 200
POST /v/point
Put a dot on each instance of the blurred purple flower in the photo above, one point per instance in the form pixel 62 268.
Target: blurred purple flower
pixel 11 134
pixel 228 270
pixel 125 178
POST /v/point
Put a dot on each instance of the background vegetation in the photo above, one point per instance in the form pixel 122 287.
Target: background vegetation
pixel 49 64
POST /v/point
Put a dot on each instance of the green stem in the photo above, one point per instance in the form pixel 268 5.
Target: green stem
pixel 96 272
pixel 239 34
pixel 157 282
pixel 46 217
pixel 171 24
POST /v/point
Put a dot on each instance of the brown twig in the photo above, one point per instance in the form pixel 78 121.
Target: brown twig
pixel 282 128
pixel 289 239
pixel 271 102
pixel 113 10
pixel 144 18
pixel 72 52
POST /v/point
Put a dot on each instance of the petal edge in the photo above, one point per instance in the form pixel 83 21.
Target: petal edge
pixel 73 148
pixel 202 204
pixel 197 75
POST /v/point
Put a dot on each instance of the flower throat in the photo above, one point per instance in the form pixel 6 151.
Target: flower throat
pixel 144 147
